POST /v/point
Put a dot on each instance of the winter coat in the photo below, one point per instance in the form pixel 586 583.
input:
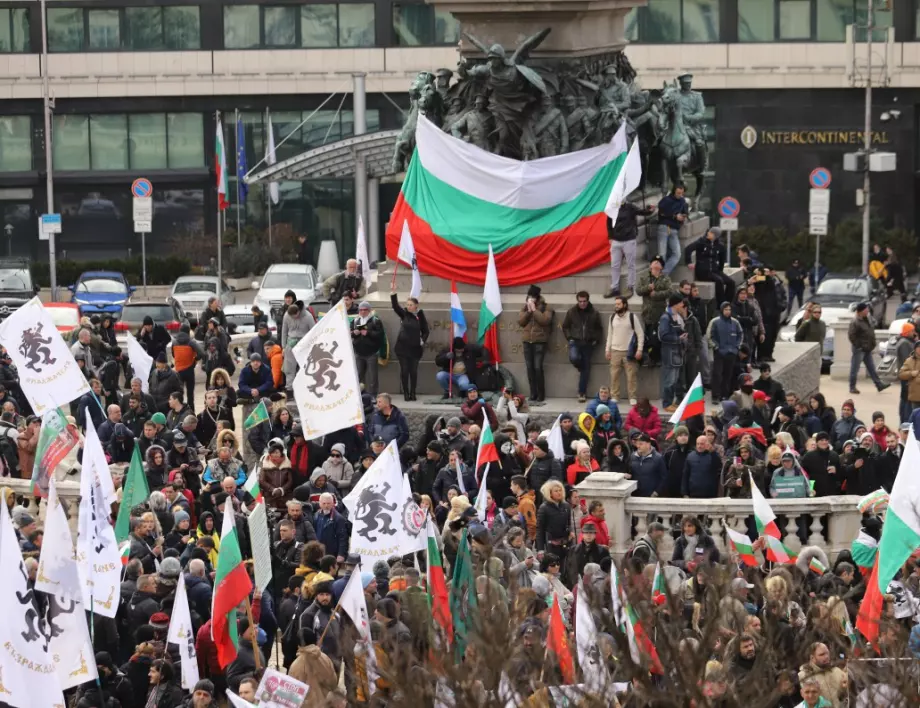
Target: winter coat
pixel 154 342
pixel 89 411
pixel 650 423
pixel 815 464
pixel 669 333
pixel 199 595
pixel 157 476
pixel 726 335
pixel 669 208
pixel 649 472
pixel 162 383
pixel 583 326
pixel 367 344
pixel 626 228
pixel 295 328
pixel 272 477
pixel 843 430
pixel 542 470
pixel 478 412
pixel 674 460
pixel 413 331
pixel 536 326
pixel 260 380
pixel 654 302
pixel 215 472
pixel 447 478
pixel 910 372
pixel 811 330
pixel 554 524
pixel 27 442
pixel 702 473
pixel 315 669
pixel 705 543
pixel 730 475
pixel 332 532
pixel 390 427
pixel 861 334
pixel 710 256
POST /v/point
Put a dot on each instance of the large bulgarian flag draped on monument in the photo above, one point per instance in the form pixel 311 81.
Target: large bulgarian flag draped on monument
pixel 900 538
pixel 544 218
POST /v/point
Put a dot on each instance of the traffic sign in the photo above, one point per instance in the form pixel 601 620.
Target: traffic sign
pixel 143 208
pixel 819 220
pixel 819 201
pixel 51 224
pixel 143 227
pixel 729 208
pixel 728 224
pixel 820 178
pixel 817 230
pixel 141 187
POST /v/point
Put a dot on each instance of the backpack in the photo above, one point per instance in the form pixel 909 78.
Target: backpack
pixel 9 452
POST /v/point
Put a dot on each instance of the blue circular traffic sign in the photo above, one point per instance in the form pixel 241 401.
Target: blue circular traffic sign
pixel 820 178
pixel 729 208
pixel 141 187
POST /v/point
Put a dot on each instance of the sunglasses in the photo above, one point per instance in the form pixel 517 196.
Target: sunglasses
pixel 335 454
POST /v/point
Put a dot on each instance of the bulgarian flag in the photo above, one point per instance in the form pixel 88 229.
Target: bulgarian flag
pixel 864 549
pixel 693 404
pixel 763 513
pixel 487 451
pixel 231 586
pixel 743 547
pixel 124 552
pixel 220 167
pixel 258 415
pixel 777 552
pixel 252 486
pixel 816 566
pixel 626 618
pixel 545 218
pixel 457 318
pixel 659 589
pixel 438 597
pixel 900 538
pixel 489 311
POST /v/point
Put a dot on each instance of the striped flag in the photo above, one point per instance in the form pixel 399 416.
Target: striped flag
pixel 456 312
pixel 692 405
pixel 124 552
pixel 816 566
pixel 490 309
pixel 777 552
pixel 864 550
pixel 743 547
pixel 659 588
pixel 231 586
pixel 220 167
pixel 252 485
pixel 763 513
pixel 626 618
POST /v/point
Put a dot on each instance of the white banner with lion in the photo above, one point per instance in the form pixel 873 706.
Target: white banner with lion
pixel 48 374
pixel 326 387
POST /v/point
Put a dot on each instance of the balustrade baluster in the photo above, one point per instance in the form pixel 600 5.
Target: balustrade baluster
pixel 792 541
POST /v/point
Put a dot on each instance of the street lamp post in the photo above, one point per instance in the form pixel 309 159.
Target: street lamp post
pixel 867 139
pixel 49 176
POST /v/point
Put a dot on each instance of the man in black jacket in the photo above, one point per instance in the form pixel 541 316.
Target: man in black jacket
pixel 153 338
pixel 588 551
pixel 582 329
pixel 367 336
pixel 710 262
pixel 544 468
pixel 822 465
pixel 622 235
pixel 795 277
pixel 424 472
pixel 285 554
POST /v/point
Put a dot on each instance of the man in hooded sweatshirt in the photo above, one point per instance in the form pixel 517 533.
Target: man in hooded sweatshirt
pixel 725 336
pixel 296 325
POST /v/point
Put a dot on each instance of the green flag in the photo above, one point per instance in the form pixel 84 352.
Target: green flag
pixel 463 599
pixel 258 415
pixel 134 492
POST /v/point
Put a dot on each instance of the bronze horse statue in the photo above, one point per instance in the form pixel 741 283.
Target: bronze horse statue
pixel 678 152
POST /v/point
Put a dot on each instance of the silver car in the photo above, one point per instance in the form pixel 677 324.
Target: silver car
pixel 193 291
pixel 278 279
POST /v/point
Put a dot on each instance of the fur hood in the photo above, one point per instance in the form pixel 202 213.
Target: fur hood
pixel 148 456
pixel 227 433
pixel 216 371
pixel 807 554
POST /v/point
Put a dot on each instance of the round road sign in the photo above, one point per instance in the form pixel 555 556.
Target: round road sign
pixel 820 178
pixel 141 187
pixel 729 208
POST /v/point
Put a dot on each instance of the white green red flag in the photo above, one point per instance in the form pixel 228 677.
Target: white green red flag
pixel 545 218
pixel 763 513
pixel 641 648
pixel 743 547
pixel 486 452
pixel 900 538
pixel 56 438
pixel 778 553
pixel 251 486
pixel 874 502
pixel 231 586
pixel 489 310
pixel 816 566
pixel 124 552
pixel 864 550
pixel 659 587
pixel 692 405
pixel 220 167
pixel 438 597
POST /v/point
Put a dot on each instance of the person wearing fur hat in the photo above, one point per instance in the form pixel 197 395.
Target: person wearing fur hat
pixel 536 322
pixel 584 464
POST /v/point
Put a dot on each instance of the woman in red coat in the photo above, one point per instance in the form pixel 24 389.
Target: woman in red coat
pixel 584 464
pixel 644 417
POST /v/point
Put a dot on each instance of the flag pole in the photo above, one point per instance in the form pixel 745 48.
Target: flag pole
pixel 253 631
pixel 268 186
pixel 239 177
pixel 395 270
pixel 220 234
pixel 450 379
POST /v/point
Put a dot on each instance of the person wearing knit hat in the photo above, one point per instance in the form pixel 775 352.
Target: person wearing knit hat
pixel 204 690
pixel 845 427
pixel 367 336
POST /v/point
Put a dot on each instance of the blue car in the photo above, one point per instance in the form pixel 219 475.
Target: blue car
pixel 101 291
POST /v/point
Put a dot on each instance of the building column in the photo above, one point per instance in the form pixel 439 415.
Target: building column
pixel 373 220
pixel 359 99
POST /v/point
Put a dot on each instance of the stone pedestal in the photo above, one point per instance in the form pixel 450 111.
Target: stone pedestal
pixel 613 489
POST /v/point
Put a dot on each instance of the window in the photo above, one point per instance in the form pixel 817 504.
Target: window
pixel 662 22
pixel 700 20
pixel 422 25
pixel 147 146
pixel 241 27
pixel 104 29
pixel 108 139
pixel 318 26
pixel 14 30
pixel 153 28
pixel 356 25
pixel 632 24
pixel 65 29
pixel 881 19
pixel 15 143
pixel 185 133
pixel 833 17
pixel 756 21
pixel 181 27
pixel 807 20
pixel 794 19
pixel 144 28
pixel 70 142
pixel 280 26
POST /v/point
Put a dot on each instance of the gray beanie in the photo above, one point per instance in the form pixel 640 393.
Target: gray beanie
pixel 541 586
pixel 170 568
pixel 716 231
pixel 453 422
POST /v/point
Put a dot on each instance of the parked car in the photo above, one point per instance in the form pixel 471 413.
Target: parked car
pixel 193 291
pixel 65 315
pixel 16 286
pixel 838 296
pixel 169 314
pixel 278 279
pixel 99 292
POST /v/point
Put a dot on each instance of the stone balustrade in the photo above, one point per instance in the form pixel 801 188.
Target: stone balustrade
pixel 628 516
pixel 69 492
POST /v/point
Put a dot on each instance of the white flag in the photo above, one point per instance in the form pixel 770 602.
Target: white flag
pixel 48 373
pixel 481 497
pixel 413 519
pixel 180 633
pixel 140 361
pixel 270 159
pixel 238 702
pixel 554 441
pixel 364 261
pixel 71 648
pixel 28 676
pixel 354 605
pixel 406 254
pixel 257 522
pixel 629 177
pixel 98 557
pixel 377 530
pixel 326 388
pixel 593 670
pixel 506 693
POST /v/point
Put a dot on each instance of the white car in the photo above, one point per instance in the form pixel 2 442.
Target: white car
pixel 278 279
pixel 894 333
pixel 193 291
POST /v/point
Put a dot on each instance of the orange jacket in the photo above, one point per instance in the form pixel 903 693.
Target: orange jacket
pixel 275 357
pixel 184 356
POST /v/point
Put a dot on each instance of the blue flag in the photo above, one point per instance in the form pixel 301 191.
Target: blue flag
pixel 241 165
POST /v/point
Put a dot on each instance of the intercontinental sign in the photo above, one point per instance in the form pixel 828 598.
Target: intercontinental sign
pixel 750 137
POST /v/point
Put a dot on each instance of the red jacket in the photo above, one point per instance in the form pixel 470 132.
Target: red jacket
pixel 477 413
pixel 576 467
pixel 650 424
pixel 603 535
pixel 881 436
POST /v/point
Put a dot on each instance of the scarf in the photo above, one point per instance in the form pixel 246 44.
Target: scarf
pixel 690 548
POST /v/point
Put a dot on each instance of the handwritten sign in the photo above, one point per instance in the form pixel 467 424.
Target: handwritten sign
pixel 279 690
